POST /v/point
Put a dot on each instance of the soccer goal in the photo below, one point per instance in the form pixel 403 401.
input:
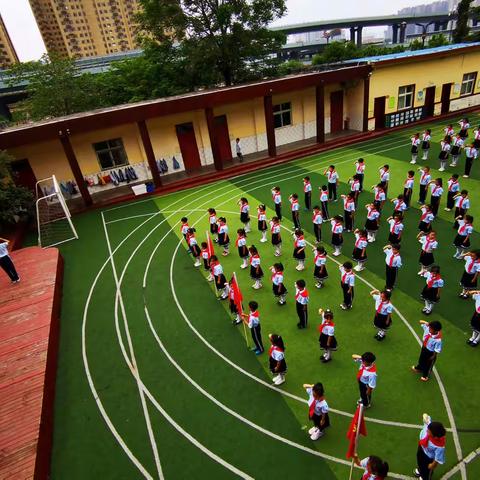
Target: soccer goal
pixel 53 217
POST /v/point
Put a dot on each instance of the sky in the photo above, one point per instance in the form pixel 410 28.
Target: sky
pixel 20 23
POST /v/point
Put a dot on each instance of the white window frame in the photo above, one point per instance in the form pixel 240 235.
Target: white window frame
pixel 405 95
pixel 278 112
pixel 468 83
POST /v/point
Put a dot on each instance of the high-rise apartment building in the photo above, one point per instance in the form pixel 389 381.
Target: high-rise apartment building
pixel 8 55
pixel 86 28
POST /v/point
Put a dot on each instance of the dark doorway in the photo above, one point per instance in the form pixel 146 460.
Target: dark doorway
pixel 23 175
pixel 188 146
pixel 336 111
pixel 446 89
pixel 379 112
pixel 429 101
pixel 223 137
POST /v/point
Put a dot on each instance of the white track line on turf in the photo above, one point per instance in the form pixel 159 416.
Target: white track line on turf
pixel 163 412
pixel 148 423
pixel 465 461
pixel 133 216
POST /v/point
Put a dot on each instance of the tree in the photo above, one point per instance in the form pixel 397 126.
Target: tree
pixel 336 52
pixel 291 66
pixel 438 40
pixel 54 87
pixel 462 29
pixel 15 201
pixel 227 38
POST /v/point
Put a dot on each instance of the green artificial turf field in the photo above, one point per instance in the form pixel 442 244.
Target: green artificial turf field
pixel 154 380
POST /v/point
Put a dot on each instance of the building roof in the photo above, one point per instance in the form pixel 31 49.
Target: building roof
pixel 412 54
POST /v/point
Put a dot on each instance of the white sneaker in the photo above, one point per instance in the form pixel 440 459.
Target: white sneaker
pixel 453 164
pixel 358 268
pixel 277 254
pixel 336 254
pixel 413 162
pixel 465 176
pixel 196 264
pixel 279 380
pixel 243 266
pixel 316 434
pixel 312 430
pixel 263 240
pixel 300 267
pixel 256 287
pixel 441 169
pixel 275 378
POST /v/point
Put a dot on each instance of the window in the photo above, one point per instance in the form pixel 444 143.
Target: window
pixel 282 114
pixel 405 97
pixel 468 83
pixel 110 153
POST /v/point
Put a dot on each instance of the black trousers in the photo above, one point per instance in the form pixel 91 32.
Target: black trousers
pixel 308 200
pixel 324 206
pixel 425 362
pixel 278 210
pixel 366 398
pixel 296 218
pixel 422 463
pixel 391 276
pixel 450 200
pixel 332 191
pixel 348 218
pixel 9 268
pixel 422 195
pixel 347 297
pixel 317 229
pixel 360 179
pixel 468 165
pixel 435 203
pixel 407 196
pixel 302 313
pixel 257 337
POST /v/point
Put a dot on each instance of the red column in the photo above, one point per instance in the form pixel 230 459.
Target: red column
pixel 366 98
pixel 147 146
pixel 217 158
pixel 72 160
pixel 270 126
pixel 320 112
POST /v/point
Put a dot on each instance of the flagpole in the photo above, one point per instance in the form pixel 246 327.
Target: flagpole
pixel 243 323
pixel 357 433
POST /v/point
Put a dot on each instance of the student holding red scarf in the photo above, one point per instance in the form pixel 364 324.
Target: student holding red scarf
pixel 317 410
pixel 431 347
pixel 431 448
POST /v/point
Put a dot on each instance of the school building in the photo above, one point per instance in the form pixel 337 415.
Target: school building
pixel 275 120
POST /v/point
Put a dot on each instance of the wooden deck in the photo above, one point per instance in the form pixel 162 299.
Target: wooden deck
pixel 29 328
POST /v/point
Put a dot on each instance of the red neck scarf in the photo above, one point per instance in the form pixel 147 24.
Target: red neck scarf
pixel 438 442
pixel 371 368
pixel 392 258
pixel 433 278
pixel 428 336
pixel 326 323
pixel 311 408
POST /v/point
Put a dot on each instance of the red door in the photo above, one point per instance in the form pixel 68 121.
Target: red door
pixel 23 175
pixel 223 137
pixel 188 146
pixel 429 101
pixel 336 111
pixel 379 112
pixel 446 88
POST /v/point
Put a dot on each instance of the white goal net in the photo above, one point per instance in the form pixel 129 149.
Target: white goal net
pixel 53 217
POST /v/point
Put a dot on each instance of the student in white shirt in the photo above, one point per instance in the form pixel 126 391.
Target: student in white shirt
pixel 317 220
pixel 252 321
pixel 275 230
pixel 332 178
pixel 383 312
pixel 431 347
pixel 317 410
pixel 307 190
pixel 453 187
pixel 360 171
pixel 320 273
pixel 395 228
pixel 295 209
pixel 444 152
pixel 456 151
pixel 301 302
pixel 476 138
pixel 429 244
pixel 277 200
pixel 366 377
pixel 256 272
pixel 431 292
pixel 299 248
pixel 469 278
pixel 425 178
pixel 359 253
pixel 385 177
pixel 474 340
pixel 393 261
pixel 464 126
pixel 431 448
pixel 337 234
pixel 426 138
pixel 327 340
pixel 375 467
pixel 278 286
pixel 462 204
pixel 436 189
pixel 347 282
pixel 245 213
pixel 408 187
pixel 415 141
pixel 471 154
pixel 6 262
pixel 276 358
pixel 238 150
pixel 324 201
pixel 462 240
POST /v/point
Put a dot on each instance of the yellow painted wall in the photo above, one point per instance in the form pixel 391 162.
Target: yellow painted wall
pixel 45 158
pixel 386 80
pixel 83 146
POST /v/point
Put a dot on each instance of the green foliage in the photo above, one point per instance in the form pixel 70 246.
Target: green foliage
pixel 437 40
pixel 462 29
pixel 291 66
pixel 54 88
pixel 15 201
pixel 228 39
pixel 416 44
pixel 339 51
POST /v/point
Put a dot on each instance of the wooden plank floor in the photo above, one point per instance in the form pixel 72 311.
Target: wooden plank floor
pixel 29 327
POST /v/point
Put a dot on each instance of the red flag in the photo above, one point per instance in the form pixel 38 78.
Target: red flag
pixel 210 249
pixel 237 294
pixel 357 427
